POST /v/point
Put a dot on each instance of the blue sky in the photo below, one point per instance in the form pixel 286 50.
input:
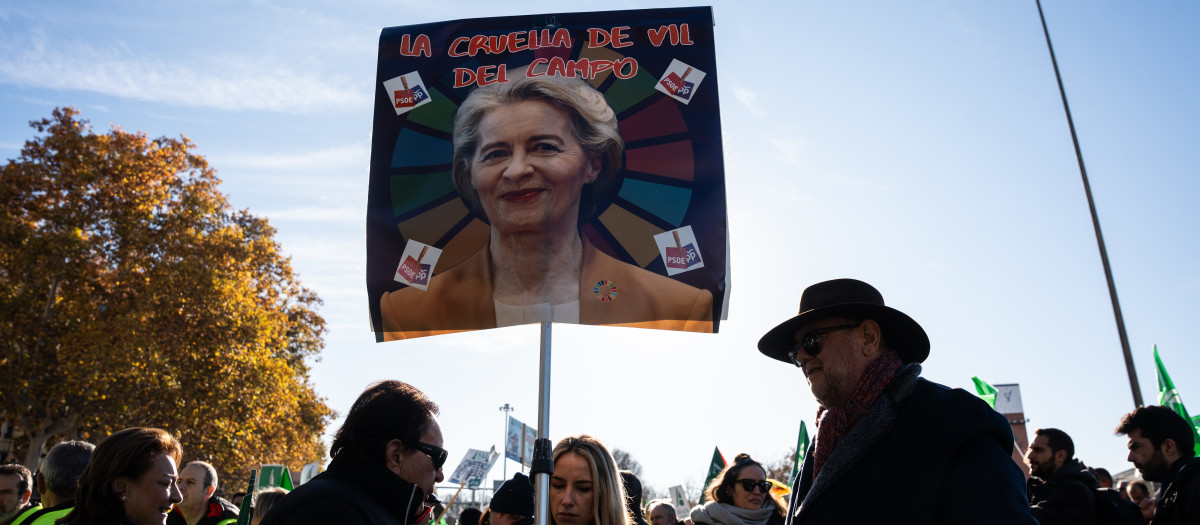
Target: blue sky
pixel 920 146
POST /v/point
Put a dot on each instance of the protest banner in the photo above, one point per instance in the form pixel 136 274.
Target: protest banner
pixel 474 467
pixel 518 445
pixel 650 230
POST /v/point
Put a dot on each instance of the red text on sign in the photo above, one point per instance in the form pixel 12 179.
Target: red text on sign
pixel 483 76
pixel 509 42
pixel 418 47
pixel 678 34
pixel 615 38
pixel 624 68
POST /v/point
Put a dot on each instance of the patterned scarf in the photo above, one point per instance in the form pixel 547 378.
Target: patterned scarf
pixel 834 423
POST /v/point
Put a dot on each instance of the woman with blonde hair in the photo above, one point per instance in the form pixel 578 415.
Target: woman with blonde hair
pixel 740 495
pixel 585 488
pixel 264 501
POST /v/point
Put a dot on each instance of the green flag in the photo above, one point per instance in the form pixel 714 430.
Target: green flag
pixel 986 392
pixel 714 467
pixel 1169 397
pixel 274 476
pixel 247 510
pixel 801 449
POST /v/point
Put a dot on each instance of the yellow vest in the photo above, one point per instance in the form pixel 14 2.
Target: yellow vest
pixel 28 512
pixel 46 518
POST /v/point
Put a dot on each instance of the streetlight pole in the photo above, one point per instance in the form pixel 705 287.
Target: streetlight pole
pixel 504 441
pixel 1087 189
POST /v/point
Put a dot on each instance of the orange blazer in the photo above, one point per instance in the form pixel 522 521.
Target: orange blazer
pixel 460 299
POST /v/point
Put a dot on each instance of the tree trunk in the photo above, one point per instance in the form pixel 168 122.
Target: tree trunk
pixel 38 439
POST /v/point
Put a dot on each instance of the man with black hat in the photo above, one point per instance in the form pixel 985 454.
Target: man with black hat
pixel 891 447
pixel 513 502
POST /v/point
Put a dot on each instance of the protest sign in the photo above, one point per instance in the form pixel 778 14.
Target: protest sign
pixel 274 476
pixel 518 444
pixel 434 234
pixel 474 467
pixel 679 501
pixel 309 471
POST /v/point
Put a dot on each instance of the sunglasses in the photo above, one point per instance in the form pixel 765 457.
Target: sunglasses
pixel 810 343
pixel 437 454
pixel 750 484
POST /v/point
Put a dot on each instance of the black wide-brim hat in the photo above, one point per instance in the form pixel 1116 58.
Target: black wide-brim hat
pixel 853 299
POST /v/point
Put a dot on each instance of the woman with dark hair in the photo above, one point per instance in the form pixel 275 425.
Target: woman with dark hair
pixel 585 488
pixel 387 457
pixel 532 157
pixel 131 478
pixel 740 495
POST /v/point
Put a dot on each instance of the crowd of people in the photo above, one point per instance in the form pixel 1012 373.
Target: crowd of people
pixel 131 477
pixel 890 447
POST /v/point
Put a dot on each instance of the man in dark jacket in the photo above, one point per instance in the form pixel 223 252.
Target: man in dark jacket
pixel 1060 492
pixel 1162 448
pixel 890 447
pixel 200 504
pixel 662 512
pixel 387 457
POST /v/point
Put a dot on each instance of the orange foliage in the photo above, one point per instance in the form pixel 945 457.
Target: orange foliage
pixel 131 294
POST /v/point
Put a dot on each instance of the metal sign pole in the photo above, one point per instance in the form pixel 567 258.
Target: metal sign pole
pixel 543 463
pixel 504 441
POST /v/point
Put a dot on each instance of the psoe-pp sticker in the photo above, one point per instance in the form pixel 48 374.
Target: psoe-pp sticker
pixel 679 250
pixel 417 264
pixel 680 81
pixel 406 92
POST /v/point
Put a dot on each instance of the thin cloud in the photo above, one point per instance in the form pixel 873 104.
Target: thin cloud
pixel 329 158
pixel 323 214
pixel 222 82
pixel 749 99
pixel 788 150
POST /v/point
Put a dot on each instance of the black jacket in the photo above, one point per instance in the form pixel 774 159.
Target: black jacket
pixel 219 510
pixel 1179 496
pixel 923 453
pixel 1066 498
pixel 351 494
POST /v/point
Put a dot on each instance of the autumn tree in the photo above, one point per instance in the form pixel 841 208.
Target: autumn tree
pixel 131 294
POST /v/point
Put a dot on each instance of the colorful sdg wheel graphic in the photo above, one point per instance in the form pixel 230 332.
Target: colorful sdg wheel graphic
pixel 654 187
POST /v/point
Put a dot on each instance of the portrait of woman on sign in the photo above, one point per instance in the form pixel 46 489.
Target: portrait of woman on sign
pixel 531 157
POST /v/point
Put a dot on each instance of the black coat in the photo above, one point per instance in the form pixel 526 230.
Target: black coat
pixel 1179 497
pixel 351 494
pixel 923 453
pixel 1066 498
pixel 219 510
